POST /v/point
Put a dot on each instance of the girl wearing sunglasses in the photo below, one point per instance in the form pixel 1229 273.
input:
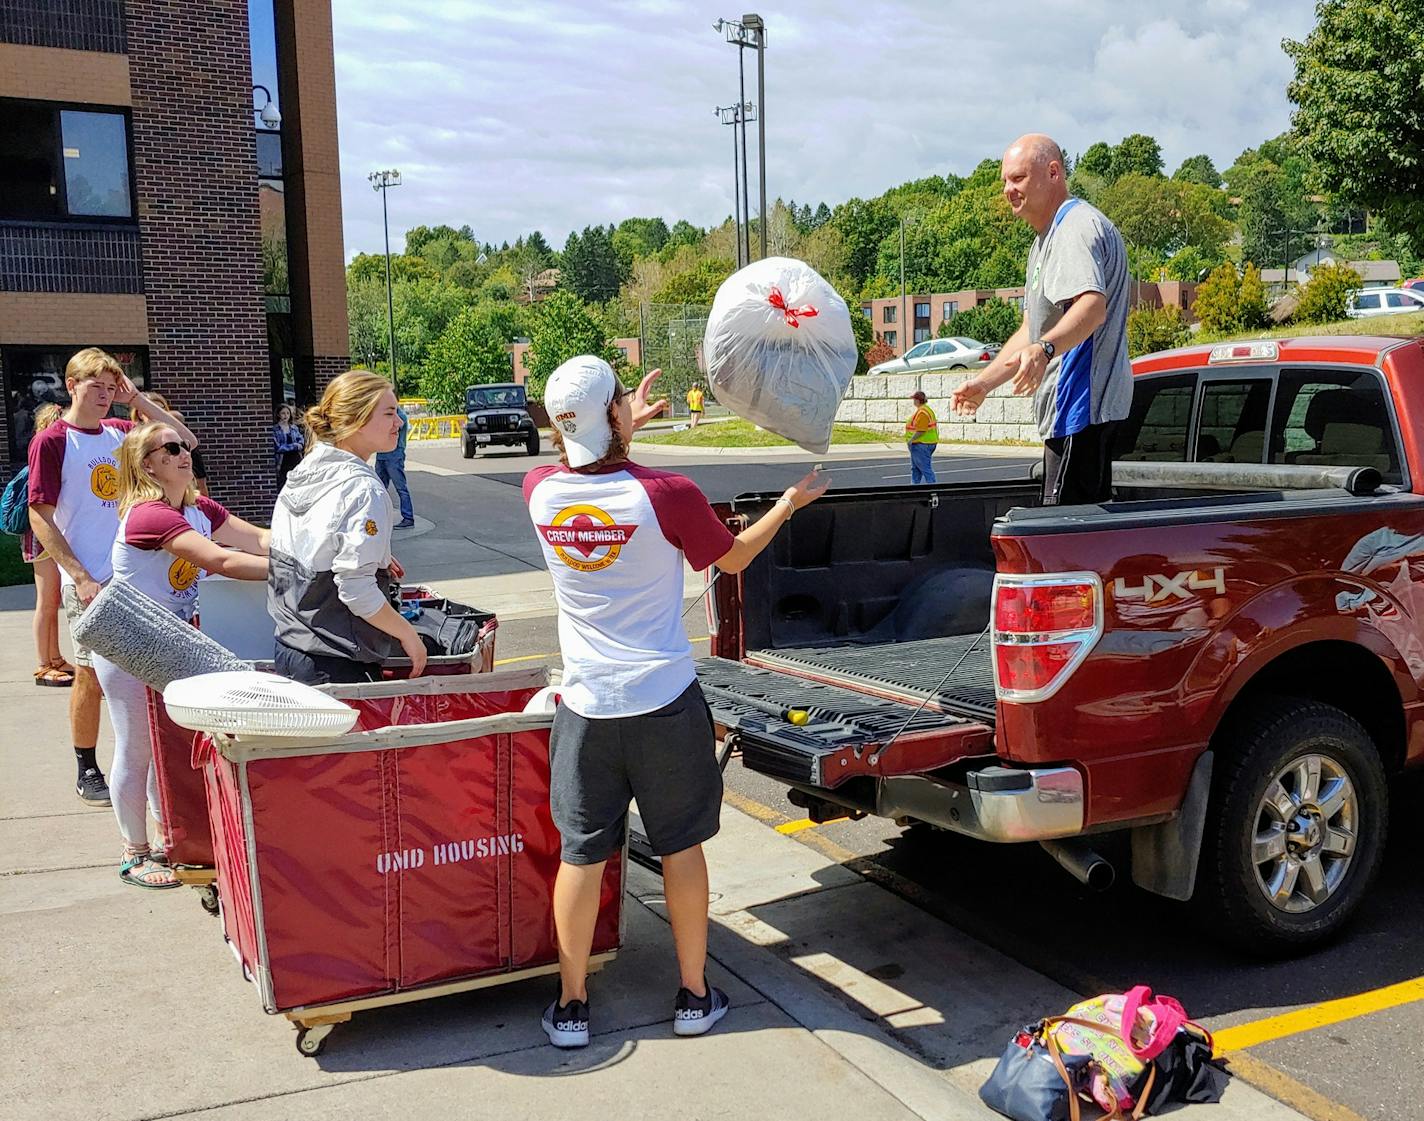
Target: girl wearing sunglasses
pixel 169 535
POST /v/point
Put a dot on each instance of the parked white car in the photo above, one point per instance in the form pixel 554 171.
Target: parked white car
pixel 1369 302
pixel 956 353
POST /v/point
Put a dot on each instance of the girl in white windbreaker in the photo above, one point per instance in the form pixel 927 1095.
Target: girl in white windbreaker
pixel 331 562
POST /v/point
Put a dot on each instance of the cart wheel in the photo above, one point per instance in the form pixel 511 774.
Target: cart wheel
pixel 312 1041
pixel 208 897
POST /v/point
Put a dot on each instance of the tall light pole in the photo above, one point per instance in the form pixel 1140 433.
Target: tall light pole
pixel 904 323
pixel 737 116
pixel 750 31
pixel 383 181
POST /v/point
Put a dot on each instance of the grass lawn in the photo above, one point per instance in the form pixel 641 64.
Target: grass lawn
pixel 12 569
pixel 1410 323
pixel 741 434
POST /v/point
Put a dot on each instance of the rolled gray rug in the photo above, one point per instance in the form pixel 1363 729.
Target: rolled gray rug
pixel 149 641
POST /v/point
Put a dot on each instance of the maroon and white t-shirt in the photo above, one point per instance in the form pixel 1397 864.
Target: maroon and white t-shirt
pixel 76 470
pixel 614 543
pixel 141 561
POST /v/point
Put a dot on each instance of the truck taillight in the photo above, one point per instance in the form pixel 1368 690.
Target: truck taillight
pixel 1044 626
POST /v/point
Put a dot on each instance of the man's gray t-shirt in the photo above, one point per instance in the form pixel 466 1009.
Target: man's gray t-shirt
pixel 1092 383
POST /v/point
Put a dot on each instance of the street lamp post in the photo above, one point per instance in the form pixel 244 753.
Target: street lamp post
pixel 750 31
pixel 737 116
pixel 383 181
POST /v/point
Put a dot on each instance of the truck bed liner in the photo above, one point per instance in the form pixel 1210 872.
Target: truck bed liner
pixel 849 732
pixel 908 670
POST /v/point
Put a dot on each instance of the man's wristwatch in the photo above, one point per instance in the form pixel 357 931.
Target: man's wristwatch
pixel 1048 349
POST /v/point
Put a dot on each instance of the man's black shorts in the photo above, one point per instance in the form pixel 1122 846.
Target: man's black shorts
pixel 666 759
pixel 1077 469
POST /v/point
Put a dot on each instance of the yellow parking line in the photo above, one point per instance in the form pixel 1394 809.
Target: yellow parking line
pixel 791 827
pixel 1319 1015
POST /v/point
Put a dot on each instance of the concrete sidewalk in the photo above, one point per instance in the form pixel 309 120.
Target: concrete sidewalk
pixel 122 1004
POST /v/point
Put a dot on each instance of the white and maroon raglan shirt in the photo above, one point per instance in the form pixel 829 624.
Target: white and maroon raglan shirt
pixel 141 561
pixel 76 470
pixel 614 542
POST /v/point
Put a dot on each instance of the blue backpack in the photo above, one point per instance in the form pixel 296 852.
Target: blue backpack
pixel 15 503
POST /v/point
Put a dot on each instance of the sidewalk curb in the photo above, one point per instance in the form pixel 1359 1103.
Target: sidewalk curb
pixel 837 451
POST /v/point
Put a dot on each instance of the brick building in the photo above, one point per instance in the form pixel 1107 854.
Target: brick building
pixel 902 324
pixel 146 207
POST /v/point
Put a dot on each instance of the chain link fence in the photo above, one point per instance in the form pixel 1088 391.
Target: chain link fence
pixel 671 339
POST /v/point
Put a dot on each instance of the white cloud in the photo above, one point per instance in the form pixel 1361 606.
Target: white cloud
pixel 555 115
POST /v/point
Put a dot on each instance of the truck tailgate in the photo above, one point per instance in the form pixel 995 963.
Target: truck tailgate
pixel 912 671
pixel 850 733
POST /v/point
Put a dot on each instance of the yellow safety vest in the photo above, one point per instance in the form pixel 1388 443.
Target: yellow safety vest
pixel 694 400
pixel 928 435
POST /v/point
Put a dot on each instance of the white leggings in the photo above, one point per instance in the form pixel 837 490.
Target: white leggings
pixel 132 778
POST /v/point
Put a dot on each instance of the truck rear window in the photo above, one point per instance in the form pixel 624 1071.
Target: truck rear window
pixel 1335 418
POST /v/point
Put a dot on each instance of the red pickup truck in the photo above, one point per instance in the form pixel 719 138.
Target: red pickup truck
pixel 1224 663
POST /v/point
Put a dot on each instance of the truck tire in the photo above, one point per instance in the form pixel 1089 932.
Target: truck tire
pixel 1296 827
pixel 531 444
pixel 468 448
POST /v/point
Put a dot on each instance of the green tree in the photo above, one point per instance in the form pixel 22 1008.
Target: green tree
pixel 993 321
pixel 1097 160
pixel 1190 263
pixel 640 237
pixel 1218 299
pixel 565 328
pixel 372 266
pixel 1166 215
pixel 1137 154
pixel 1325 296
pixel 864 338
pixel 820 217
pixel 1198 169
pixel 696 286
pixel 1251 310
pixel 1150 329
pixel 591 266
pixel 417 237
pixel 1358 81
pixel 470 351
pixel 863 226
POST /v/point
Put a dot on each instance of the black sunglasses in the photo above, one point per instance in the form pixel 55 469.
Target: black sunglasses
pixel 172 447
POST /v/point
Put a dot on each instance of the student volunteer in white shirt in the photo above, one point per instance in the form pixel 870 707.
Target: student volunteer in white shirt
pixel 168 536
pixel 632 722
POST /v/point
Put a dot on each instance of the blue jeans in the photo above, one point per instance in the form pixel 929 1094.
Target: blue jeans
pixel 390 469
pixel 921 470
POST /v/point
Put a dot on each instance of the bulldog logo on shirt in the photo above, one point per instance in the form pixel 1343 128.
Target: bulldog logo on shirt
pixel 370 527
pixel 589 532
pixel 104 481
pixel 182 575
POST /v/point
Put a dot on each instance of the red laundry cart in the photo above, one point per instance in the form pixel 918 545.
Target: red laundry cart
pixel 411 858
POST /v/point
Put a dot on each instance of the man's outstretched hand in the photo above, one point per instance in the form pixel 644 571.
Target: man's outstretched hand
pixel 643 409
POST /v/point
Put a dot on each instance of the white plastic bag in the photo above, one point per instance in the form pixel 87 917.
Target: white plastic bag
pixel 779 349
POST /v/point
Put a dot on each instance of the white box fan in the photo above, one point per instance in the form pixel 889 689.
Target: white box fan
pixel 252 703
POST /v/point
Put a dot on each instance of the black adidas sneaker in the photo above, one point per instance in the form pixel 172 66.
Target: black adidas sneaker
pixel 566 1025
pixel 695 1015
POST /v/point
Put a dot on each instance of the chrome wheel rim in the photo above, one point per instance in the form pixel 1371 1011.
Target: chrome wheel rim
pixel 1306 828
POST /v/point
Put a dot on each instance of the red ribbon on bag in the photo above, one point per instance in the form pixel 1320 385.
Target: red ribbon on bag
pixel 793 314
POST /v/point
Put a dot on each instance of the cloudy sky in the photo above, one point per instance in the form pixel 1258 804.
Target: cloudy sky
pixel 528 114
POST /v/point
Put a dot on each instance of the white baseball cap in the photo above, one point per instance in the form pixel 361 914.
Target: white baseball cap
pixel 577 397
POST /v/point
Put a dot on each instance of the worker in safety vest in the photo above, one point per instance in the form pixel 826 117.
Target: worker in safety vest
pixel 694 403
pixel 922 434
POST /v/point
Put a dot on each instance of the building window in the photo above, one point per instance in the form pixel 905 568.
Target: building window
pixel 64 163
pixel 951 309
pixel 888 315
pixel 869 311
pixel 921 334
pixel 892 339
pixel 922 311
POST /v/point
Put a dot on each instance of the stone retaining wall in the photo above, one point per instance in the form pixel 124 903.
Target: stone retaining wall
pixel 884 400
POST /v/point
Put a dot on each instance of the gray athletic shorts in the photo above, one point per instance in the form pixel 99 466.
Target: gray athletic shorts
pixel 73 610
pixel 666 759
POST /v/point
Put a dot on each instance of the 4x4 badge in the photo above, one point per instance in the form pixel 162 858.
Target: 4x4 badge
pixel 1158 588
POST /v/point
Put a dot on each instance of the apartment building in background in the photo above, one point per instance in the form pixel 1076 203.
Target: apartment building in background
pixel 900 324
pixel 169 190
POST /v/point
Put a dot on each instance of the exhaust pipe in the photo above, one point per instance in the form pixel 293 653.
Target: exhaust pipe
pixel 1087 867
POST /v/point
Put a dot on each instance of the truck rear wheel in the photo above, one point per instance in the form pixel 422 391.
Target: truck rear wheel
pixel 468 450
pixel 1296 826
pixel 531 443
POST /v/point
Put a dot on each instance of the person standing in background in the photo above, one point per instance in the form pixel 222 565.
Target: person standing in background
pixel 695 403
pixel 922 436
pixel 288 443
pixel 390 469
pixel 53 672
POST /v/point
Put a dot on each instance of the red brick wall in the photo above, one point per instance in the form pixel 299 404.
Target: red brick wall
pixel 196 169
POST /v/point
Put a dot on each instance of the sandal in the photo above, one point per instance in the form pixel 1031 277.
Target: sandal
pixel 140 870
pixel 52 677
pixel 63 666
